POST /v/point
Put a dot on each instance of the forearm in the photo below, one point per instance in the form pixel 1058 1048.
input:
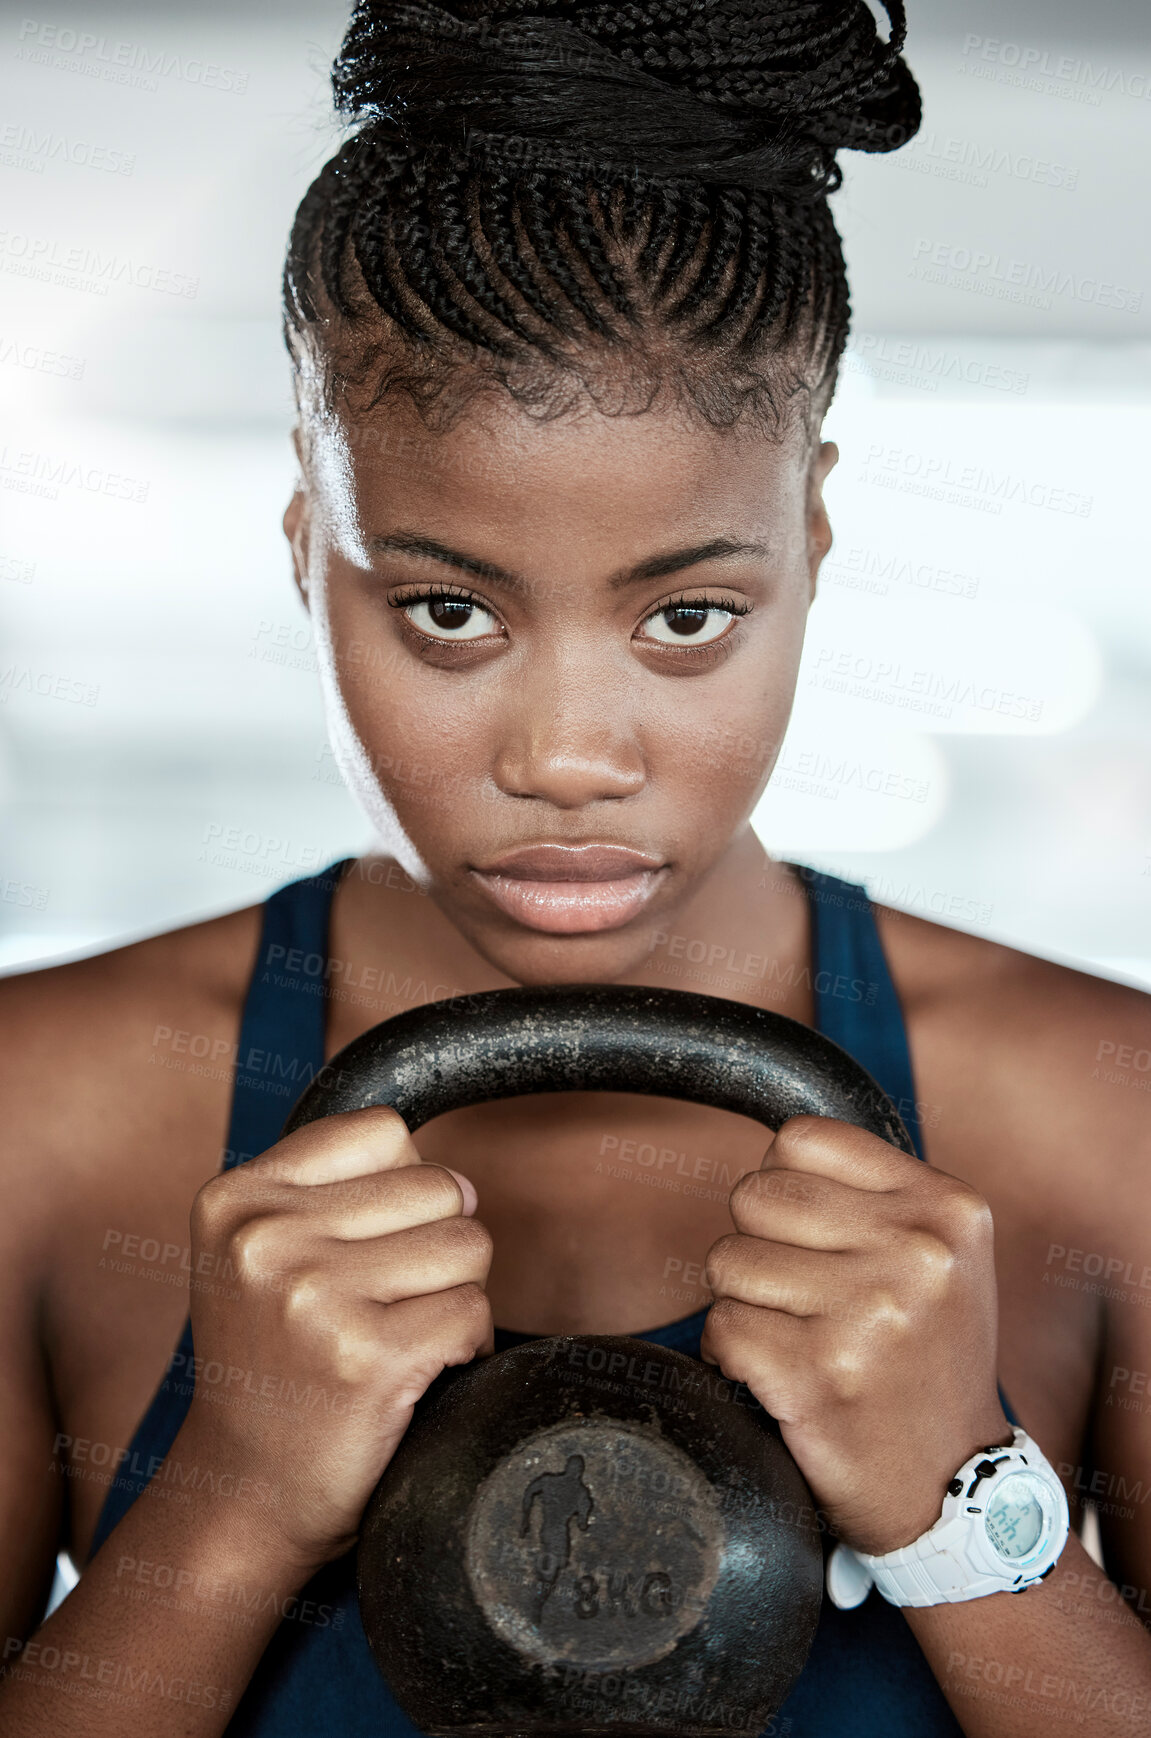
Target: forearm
pixel 163 1631
pixel 1057 1658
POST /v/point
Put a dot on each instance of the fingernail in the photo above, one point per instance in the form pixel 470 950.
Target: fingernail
pixel 467 1189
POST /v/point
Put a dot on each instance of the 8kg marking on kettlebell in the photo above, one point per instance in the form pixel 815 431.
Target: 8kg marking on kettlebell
pixel 567 1566
pixel 655 1595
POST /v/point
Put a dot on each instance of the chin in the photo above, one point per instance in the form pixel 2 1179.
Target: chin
pixel 534 957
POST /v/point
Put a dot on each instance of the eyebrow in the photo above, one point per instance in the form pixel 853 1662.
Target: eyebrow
pixel 655 567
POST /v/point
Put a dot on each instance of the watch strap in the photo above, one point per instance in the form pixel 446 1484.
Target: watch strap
pixel 934 1570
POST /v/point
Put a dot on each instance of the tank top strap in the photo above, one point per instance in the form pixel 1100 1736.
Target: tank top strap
pixel 281 1046
pixel 856 1003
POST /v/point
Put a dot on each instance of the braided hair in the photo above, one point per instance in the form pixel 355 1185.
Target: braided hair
pixel 604 197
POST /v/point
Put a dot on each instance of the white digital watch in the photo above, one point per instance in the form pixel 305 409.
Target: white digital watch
pixel 1003 1525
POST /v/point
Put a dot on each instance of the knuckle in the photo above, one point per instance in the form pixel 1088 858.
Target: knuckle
pixel 386 1125
pixel 212 1207
pixel 254 1248
pixel 967 1214
pixel 463 1243
pixel 472 1305
pixel 846 1370
pixel 307 1295
pixel 727 1341
pixel 723 1318
pixel 475 1240
pixel 880 1309
pixel 749 1188
pixel 382 1116
pixel 753 1199
pixel 796 1133
pixel 474 1298
pixel 353 1358
pixel 720 1259
pixel 375 1129
pixel 440 1187
pixel 374 1117
pixel 930 1260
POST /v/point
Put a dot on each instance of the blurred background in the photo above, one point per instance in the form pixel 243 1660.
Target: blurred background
pixel 972 731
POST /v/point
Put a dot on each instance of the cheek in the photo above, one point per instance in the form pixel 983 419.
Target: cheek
pixel 725 733
pixel 408 741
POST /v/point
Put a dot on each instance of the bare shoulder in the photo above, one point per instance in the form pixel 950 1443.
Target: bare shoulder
pixel 96 1051
pixel 1050 1061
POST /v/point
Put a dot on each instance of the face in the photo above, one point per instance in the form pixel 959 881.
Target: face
pixel 558 658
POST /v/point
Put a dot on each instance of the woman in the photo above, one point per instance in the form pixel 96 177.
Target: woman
pixel 565 314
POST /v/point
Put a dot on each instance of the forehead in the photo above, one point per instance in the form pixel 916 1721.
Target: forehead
pixel 501 475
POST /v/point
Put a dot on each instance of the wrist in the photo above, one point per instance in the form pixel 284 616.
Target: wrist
pixel 908 1521
pixel 234 1525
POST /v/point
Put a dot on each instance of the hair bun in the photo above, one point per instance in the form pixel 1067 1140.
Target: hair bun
pixel 744 92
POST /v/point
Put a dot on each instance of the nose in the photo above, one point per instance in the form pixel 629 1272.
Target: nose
pixel 568 744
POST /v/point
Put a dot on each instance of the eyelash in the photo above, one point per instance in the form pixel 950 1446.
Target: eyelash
pixel 409 595
pixel 404 599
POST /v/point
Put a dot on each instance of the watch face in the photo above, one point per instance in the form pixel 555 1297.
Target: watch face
pixel 1015 1514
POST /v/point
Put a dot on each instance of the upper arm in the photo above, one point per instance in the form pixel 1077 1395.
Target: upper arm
pixel 78 1117
pixel 31 1481
pixel 1030 1069
pixel 1120 1479
pixel 53 1025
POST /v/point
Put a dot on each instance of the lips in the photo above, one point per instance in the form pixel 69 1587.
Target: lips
pixel 571 889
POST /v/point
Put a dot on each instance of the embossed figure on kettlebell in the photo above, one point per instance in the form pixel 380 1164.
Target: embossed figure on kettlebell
pixel 563 1497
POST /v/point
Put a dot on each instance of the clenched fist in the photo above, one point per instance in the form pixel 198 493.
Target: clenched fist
pixel 857 1300
pixel 358 1275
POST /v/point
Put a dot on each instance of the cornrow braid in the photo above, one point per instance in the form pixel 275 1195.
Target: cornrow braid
pixel 556 198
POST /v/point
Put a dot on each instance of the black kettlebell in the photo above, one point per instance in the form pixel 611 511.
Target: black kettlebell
pixel 590 1532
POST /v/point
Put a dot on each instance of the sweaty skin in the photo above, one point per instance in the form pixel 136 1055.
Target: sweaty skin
pixel 561 780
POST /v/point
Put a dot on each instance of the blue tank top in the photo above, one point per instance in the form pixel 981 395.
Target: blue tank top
pixel 865 1676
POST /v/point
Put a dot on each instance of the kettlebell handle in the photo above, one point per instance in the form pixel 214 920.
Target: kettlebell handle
pixel 599 1038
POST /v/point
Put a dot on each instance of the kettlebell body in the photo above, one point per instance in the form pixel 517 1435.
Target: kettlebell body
pixel 594 1532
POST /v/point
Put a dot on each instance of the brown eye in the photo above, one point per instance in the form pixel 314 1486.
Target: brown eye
pixel 681 624
pixel 450 618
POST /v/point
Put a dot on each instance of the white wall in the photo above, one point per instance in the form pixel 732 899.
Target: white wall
pixel 972 730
